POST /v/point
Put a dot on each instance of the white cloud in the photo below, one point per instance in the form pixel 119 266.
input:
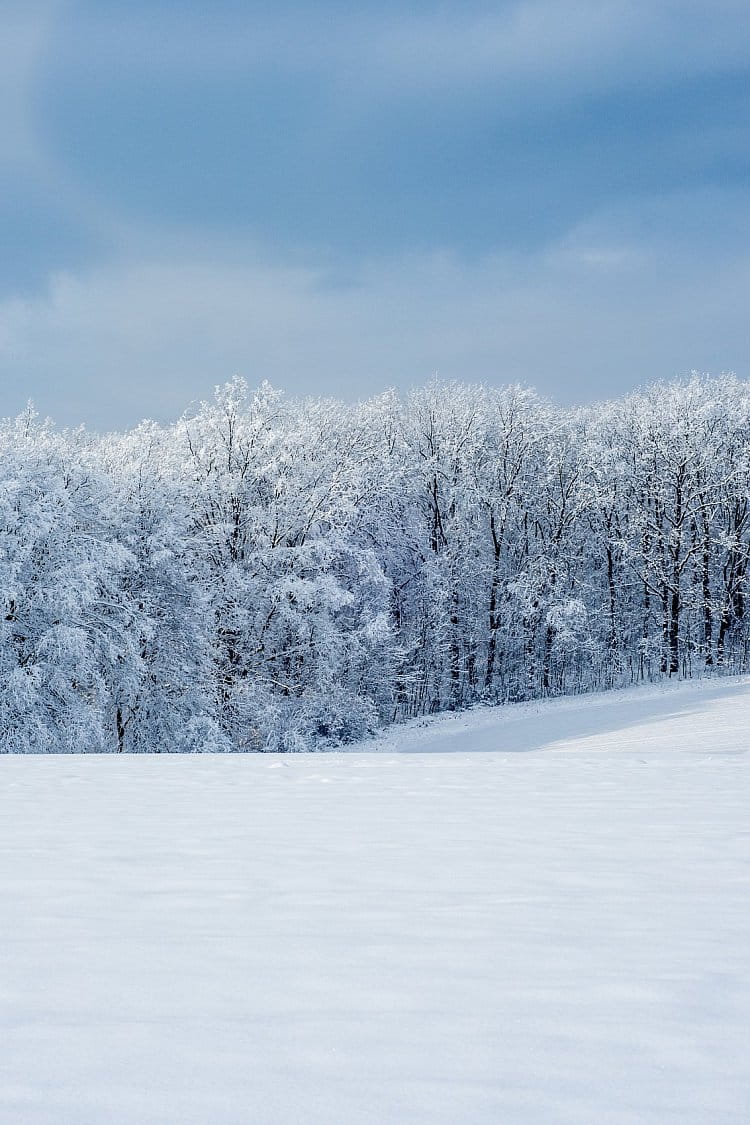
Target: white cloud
pixel 592 316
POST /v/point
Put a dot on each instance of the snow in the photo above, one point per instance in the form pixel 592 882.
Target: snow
pixel 532 914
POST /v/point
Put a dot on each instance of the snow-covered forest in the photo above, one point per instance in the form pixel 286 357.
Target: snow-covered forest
pixel 278 574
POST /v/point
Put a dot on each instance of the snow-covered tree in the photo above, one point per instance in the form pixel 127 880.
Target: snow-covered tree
pixel 270 573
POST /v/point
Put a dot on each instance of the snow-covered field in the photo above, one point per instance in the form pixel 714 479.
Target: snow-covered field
pixel 554 929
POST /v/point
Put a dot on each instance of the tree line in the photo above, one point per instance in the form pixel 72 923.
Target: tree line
pixel 276 574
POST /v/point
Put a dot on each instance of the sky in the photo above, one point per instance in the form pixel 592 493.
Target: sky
pixel 341 198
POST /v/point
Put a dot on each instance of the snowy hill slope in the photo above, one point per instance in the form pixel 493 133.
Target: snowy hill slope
pixel 690 716
pixel 443 936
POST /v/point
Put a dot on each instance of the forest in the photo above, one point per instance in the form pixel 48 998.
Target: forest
pixel 273 574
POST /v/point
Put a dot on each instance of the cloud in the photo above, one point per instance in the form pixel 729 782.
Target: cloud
pixel 577 46
pixel 589 317
pixel 367 129
pixel 24 31
pixel 372 128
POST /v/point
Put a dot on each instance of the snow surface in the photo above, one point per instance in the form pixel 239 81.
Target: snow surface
pixel 555 935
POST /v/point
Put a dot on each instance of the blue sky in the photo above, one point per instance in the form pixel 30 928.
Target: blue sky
pixel 341 198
